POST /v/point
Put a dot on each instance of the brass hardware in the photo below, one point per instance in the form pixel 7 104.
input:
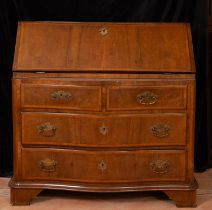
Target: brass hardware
pixel 46 129
pixel 102 165
pixel 160 130
pixel 147 98
pixel 103 31
pixel 61 95
pixel 160 166
pixel 103 130
pixel 48 165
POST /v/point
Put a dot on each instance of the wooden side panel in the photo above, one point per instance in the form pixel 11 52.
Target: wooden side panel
pixel 16 87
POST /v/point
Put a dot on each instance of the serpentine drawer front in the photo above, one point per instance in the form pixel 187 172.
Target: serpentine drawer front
pixel 92 166
pixel 104 131
pixel 103 107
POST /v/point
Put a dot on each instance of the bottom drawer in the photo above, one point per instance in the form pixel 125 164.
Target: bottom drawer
pixel 100 166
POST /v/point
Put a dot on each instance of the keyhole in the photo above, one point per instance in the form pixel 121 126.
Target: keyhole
pixel 102 166
pixel 103 31
pixel 103 130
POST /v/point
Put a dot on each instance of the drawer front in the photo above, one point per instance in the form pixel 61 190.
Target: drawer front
pixel 147 97
pixel 104 131
pixel 61 96
pixel 92 166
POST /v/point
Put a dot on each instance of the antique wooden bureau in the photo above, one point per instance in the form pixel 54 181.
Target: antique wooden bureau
pixel 103 107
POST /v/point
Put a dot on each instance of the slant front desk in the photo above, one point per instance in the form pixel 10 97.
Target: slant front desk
pixel 103 107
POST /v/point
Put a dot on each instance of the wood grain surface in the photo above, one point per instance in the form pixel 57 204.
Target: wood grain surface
pixel 104 107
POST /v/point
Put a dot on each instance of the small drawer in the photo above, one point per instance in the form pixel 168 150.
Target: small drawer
pixel 147 97
pixel 132 130
pixel 94 166
pixel 61 96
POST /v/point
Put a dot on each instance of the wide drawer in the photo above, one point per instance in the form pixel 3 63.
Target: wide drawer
pixel 147 97
pixel 92 166
pixel 61 96
pixel 104 131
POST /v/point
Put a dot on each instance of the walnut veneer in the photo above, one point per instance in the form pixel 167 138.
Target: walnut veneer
pixel 103 107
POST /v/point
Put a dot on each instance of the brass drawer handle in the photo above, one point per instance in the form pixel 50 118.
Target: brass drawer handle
pixel 160 166
pixel 48 165
pixel 103 130
pixel 46 129
pixel 103 31
pixel 102 166
pixel 147 98
pixel 61 95
pixel 160 130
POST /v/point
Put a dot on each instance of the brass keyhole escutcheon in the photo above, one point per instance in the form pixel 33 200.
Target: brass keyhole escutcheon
pixel 103 130
pixel 103 31
pixel 102 166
